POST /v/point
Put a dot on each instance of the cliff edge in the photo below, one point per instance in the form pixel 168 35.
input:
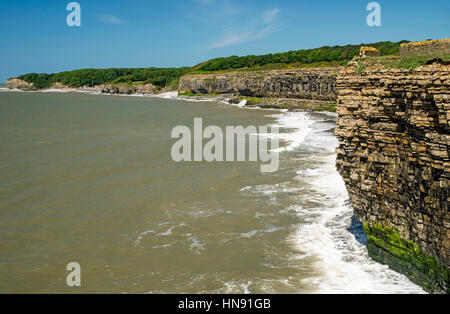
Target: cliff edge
pixel 309 84
pixel 393 131
pixel 20 84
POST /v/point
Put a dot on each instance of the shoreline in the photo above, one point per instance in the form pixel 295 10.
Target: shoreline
pixel 293 119
pixel 288 104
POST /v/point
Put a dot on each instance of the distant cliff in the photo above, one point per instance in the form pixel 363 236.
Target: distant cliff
pixel 312 84
pixel 394 135
pixel 20 84
pixel 114 89
pixel 423 48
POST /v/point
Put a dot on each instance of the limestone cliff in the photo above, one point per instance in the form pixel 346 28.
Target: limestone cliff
pixel 393 129
pixel 128 90
pixel 20 84
pixel 424 48
pixel 314 83
pixel 115 89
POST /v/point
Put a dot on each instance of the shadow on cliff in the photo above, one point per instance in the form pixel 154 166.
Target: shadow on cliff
pixel 357 229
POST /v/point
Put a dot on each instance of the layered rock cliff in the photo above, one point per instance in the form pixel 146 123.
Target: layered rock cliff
pixel 393 129
pixel 313 84
pixel 425 48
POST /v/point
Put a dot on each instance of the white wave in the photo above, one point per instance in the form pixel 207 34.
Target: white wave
pixel 167 95
pixel 196 245
pixel 308 172
pixel 344 263
pixel 14 90
pixel 56 90
pixel 241 104
pixel 271 189
pixel 299 126
pixel 165 246
pixel 141 236
pixel 167 233
pixel 243 287
pixel 253 233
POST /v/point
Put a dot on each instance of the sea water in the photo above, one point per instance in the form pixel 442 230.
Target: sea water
pixel 90 179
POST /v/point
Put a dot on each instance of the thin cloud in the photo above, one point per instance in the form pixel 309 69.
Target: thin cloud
pixel 270 15
pixel 264 26
pixel 230 39
pixel 110 19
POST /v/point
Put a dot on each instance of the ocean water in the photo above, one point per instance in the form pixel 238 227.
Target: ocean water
pixel 89 178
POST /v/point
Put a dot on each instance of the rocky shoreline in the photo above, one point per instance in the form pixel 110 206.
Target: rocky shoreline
pixel 311 89
pixel 150 90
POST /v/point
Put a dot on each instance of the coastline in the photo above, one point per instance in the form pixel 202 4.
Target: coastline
pixel 289 104
pixel 331 236
pixel 365 74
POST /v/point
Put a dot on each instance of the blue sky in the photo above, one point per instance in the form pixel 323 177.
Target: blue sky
pixel 172 33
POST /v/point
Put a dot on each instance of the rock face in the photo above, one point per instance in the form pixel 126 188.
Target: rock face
pixel 424 48
pixel 146 89
pixel 124 90
pixel 393 129
pixel 316 84
pixel 19 84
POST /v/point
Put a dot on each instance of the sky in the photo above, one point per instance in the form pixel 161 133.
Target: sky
pixel 173 33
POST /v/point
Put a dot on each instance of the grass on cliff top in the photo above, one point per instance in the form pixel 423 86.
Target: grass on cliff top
pixel 277 66
pixel 396 62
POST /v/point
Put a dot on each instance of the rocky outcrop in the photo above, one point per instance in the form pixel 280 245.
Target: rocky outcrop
pixel 394 135
pixel 314 84
pixel 128 90
pixel 146 89
pixel 20 84
pixel 424 48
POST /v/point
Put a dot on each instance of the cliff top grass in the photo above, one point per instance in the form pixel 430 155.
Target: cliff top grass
pixel 396 62
pixel 276 66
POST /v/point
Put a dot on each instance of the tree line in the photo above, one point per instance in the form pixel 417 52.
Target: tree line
pixel 323 54
pixel 91 77
pixel 163 77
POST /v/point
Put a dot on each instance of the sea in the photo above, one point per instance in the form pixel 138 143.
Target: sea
pixel 90 179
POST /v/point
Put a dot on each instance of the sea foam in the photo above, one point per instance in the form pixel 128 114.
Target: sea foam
pixel 342 259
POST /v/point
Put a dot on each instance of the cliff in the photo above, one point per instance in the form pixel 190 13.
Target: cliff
pixel 393 129
pixel 114 89
pixel 128 90
pixel 19 84
pixel 427 47
pixel 310 84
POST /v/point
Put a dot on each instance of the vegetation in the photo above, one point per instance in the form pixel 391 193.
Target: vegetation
pixel 169 77
pixel 92 77
pixel 388 247
pixel 304 57
pixel 395 62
